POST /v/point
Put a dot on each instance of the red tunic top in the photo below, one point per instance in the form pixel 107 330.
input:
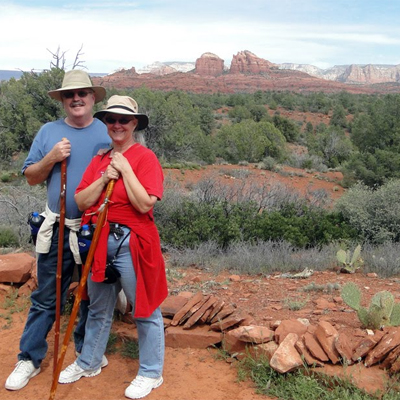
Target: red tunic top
pixel 144 241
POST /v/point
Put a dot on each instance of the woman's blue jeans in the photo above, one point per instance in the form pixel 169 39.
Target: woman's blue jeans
pixel 41 317
pixel 103 298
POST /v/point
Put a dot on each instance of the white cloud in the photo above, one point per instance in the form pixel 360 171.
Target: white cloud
pixel 132 34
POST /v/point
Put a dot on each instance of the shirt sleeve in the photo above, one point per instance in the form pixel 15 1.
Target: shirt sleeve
pixel 36 152
pixel 150 175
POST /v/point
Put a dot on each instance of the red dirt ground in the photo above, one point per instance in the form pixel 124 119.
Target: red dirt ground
pixel 192 374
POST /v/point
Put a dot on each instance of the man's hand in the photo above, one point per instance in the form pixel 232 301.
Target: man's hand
pixel 61 150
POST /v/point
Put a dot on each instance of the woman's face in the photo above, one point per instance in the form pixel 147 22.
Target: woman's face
pixel 120 127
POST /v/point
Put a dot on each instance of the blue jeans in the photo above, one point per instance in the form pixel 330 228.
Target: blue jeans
pixel 42 313
pixel 103 298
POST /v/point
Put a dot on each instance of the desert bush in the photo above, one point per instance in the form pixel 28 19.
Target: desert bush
pixel 268 163
pixel 383 259
pixel 307 161
pixel 261 257
pixel 375 214
pixel 8 237
pixel 16 203
pixel 250 141
pixel 248 212
pixel 306 227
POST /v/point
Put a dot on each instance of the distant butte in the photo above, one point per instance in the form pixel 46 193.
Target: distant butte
pixel 247 74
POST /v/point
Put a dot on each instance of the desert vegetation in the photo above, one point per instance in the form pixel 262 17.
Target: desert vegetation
pixel 246 227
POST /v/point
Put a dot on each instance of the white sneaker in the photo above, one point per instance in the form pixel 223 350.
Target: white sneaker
pixel 74 372
pixel 104 361
pixel 142 386
pixel 23 371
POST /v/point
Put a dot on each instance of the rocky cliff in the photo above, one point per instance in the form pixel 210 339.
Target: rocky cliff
pixel 209 64
pixel 358 74
pixel 249 73
pixel 245 62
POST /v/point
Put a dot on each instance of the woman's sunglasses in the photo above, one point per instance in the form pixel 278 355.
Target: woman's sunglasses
pixel 121 121
pixel 80 93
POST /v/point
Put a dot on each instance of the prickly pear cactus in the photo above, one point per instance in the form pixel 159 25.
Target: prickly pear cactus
pixel 385 302
pixel 350 262
pixel 351 295
pixel 395 317
pixel 363 316
pixel 382 311
pixel 341 256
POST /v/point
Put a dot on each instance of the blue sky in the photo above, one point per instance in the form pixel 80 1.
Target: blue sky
pixel 137 33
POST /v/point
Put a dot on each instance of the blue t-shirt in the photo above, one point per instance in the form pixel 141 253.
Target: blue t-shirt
pixel 85 143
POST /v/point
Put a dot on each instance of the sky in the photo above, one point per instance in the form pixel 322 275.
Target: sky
pixel 112 35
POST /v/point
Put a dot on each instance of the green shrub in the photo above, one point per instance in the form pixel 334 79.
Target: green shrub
pixel 6 177
pixel 8 238
pixel 192 223
pixel 374 214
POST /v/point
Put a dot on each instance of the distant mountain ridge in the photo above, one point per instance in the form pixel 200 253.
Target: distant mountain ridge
pixel 386 77
pixel 249 73
pixel 352 73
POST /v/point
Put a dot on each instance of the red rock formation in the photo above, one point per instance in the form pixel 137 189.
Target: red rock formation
pixel 209 65
pixel 245 62
pixel 247 74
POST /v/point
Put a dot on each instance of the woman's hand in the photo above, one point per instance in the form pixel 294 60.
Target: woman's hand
pixel 120 163
pixel 109 174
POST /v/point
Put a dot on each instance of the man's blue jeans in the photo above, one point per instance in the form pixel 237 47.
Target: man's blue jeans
pixel 41 317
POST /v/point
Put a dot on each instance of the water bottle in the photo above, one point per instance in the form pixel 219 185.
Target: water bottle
pixel 35 220
pixel 84 240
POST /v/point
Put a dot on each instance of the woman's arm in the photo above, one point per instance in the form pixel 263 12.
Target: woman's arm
pixel 89 196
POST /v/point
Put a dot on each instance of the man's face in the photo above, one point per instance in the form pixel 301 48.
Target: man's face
pixel 78 103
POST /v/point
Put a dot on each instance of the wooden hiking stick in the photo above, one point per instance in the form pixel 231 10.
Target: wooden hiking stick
pixel 61 226
pixel 85 272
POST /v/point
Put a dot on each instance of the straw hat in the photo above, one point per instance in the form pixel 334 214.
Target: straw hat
pixel 124 105
pixel 77 79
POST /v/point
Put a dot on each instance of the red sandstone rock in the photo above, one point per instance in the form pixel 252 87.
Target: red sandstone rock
pixel 216 309
pixel 255 334
pixel 308 357
pixel 198 337
pixel 289 326
pixel 207 303
pixel 286 358
pixel 182 312
pixel 264 349
pixel 172 304
pixel 226 310
pixel 363 347
pixel 16 268
pixel 246 62
pixel 314 347
pixel 326 335
pixel 231 320
pixel 344 348
pixel 209 65
pixel 386 344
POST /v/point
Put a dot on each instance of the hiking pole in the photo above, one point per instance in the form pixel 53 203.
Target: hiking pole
pixel 85 272
pixel 60 258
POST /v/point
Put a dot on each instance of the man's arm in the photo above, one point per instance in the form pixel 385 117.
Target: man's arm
pixel 38 172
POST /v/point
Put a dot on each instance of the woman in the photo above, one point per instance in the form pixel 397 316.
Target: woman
pixel 130 238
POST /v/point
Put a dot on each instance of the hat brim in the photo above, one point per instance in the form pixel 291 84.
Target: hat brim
pixel 143 119
pixel 99 92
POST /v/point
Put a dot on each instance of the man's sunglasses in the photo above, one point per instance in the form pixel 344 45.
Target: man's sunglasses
pixel 121 121
pixel 80 93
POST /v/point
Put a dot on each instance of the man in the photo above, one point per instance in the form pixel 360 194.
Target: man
pixel 76 138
